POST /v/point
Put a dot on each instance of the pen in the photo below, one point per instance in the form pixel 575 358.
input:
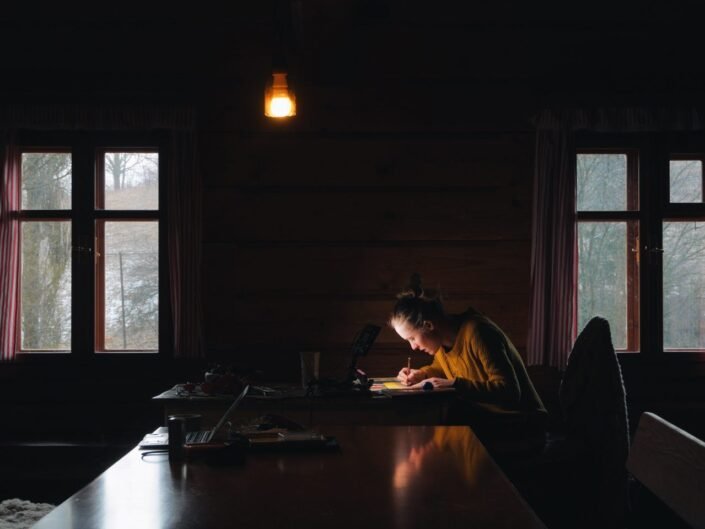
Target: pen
pixel 408 365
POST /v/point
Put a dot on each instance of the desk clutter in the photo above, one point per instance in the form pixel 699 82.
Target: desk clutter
pixel 373 387
pixel 268 432
pixel 219 380
pixel 277 432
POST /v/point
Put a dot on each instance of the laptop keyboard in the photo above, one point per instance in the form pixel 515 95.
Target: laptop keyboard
pixel 202 436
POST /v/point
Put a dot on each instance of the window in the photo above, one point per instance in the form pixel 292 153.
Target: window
pixel 640 241
pixel 91 223
pixel 607 236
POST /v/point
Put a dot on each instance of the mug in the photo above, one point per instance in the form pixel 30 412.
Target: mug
pixel 177 436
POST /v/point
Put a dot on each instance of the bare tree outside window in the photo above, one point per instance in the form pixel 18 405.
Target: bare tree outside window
pixel 601 182
pixel 130 253
pixel 615 265
pixel 131 180
pixel 122 247
pixel 131 286
pixel 602 245
pixel 684 262
pixel 686 181
pixel 602 273
pixel 45 295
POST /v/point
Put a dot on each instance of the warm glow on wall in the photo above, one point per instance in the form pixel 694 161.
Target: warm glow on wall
pixel 279 99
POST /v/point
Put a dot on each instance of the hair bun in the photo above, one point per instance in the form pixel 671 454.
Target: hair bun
pixel 413 289
pixel 415 284
pixel 415 305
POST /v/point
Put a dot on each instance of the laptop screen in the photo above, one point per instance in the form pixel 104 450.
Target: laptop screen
pixel 224 419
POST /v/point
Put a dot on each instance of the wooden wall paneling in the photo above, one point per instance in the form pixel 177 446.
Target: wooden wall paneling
pixel 300 321
pixel 411 160
pixel 429 214
pixel 257 332
pixel 366 270
pixel 309 236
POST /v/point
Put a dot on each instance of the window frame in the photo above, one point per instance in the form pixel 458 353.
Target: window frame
pixel 101 216
pixel 630 215
pixel 86 149
pixel 653 151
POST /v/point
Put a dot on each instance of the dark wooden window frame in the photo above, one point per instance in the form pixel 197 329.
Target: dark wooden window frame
pixel 87 150
pixel 102 216
pixel 631 217
pixel 652 153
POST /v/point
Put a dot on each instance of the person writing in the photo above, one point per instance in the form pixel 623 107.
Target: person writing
pixel 471 354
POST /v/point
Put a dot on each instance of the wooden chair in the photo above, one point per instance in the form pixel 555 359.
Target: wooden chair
pixel 670 463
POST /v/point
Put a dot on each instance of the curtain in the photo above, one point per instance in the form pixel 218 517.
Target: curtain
pixel 9 249
pixel 553 269
pixel 184 226
pixel 183 206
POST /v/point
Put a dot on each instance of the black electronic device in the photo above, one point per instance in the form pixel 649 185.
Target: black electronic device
pixel 360 346
pixel 355 379
pixel 364 339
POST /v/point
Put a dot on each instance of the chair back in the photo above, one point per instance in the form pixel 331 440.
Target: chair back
pixel 670 462
pixel 593 402
pixel 592 394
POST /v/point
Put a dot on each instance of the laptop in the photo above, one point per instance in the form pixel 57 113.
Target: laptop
pixel 160 439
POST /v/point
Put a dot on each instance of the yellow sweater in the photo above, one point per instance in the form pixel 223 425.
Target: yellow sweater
pixel 487 367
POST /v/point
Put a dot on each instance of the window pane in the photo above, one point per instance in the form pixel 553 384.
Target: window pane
pixel 46 180
pixel 601 182
pixel 686 177
pixel 602 276
pixel 46 286
pixel 131 285
pixel 131 180
pixel 684 285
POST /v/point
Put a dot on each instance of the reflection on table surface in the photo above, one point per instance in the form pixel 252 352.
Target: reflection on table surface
pixel 382 476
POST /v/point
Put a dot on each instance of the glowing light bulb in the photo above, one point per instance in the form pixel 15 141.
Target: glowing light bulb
pixel 279 99
pixel 280 107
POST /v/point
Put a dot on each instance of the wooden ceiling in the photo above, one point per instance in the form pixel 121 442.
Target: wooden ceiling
pixel 527 50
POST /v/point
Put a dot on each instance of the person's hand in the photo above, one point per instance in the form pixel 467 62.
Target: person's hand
pixel 436 382
pixel 409 376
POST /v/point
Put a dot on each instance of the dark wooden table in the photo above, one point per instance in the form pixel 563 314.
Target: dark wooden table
pixel 382 476
pixel 419 408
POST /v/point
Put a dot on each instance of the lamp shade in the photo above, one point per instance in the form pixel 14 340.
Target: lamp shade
pixel 279 98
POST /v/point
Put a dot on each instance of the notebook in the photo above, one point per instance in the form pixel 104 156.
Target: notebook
pixel 392 387
pixel 160 439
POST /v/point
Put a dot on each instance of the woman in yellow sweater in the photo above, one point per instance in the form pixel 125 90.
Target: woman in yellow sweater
pixel 470 353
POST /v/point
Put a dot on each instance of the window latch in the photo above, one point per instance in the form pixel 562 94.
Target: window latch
pixel 636 252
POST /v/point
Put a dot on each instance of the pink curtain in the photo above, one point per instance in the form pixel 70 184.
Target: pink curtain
pixel 553 268
pixel 184 226
pixel 9 250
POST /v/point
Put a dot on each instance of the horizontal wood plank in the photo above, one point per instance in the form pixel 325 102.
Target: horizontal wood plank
pixel 298 323
pixel 231 160
pixel 365 271
pixel 480 214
